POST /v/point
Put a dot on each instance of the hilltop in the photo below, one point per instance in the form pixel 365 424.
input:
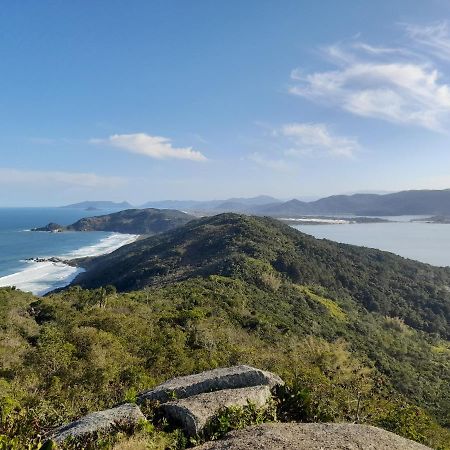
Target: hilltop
pixel 135 221
pixel 232 244
pixel 337 290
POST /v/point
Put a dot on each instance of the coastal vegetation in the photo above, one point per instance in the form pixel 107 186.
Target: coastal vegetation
pixel 135 221
pixel 358 335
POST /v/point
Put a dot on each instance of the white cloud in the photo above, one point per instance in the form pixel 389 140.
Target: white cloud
pixel 382 83
pixel 51 178
pixel 316 137
pixel 434 38
pixel 152 146
pixel 377 50
pixel 294 140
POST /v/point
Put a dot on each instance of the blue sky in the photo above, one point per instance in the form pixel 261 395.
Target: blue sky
pixel 201 99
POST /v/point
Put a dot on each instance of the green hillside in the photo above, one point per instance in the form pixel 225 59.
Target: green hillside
pixel 136 221
pixel 357 334
pixel 240 246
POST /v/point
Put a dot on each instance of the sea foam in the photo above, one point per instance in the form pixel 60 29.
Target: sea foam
pixel 42 277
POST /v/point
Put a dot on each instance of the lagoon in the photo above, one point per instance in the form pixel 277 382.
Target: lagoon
pixel 426 242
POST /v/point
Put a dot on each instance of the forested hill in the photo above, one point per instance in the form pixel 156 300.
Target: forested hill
pixel 358 335
pixel 251 247
pixel 135 221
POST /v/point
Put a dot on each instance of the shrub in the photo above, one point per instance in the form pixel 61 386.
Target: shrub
pixel 235 418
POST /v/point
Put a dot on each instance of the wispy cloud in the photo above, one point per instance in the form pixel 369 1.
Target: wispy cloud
pixel 378 50
pixel 152 146
pixel 289 142
pixel 317 138
pixel 434 38
pixel 278 165
pixel 384 83
pixel 10 176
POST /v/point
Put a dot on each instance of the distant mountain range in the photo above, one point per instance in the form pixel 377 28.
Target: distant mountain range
pixel 190 205
pixel 418 202
pixel 231 204
pixel 421 202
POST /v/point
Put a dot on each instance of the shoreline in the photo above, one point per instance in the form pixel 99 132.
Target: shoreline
pixel 43 275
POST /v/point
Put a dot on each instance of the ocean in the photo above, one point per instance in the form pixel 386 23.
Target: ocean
pixel 18 243
pixel 429 243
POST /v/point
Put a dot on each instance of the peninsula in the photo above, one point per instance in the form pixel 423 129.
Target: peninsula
pixel 134 221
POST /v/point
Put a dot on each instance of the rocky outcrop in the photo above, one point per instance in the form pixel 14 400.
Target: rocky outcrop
pixel 52 259
pixel 51 227
pixel 194 413
pixel 193 401
pixel 312 436
pixel 126 415
pixel 209 381
pixel 198 397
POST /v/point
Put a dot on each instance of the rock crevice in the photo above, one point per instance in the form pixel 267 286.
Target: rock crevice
pixel 194 413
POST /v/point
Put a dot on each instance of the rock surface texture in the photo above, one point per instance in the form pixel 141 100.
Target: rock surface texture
pixel 209 381
pixel 192 401
pixel 194 413
pixel 312 436
pixel 101 421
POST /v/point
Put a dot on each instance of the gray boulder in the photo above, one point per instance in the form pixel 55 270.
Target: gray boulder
pixel 101 421
pixel 209 381
pixel 195 412
pixel 312 436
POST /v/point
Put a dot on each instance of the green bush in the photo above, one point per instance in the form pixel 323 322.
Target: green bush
pixel 235 418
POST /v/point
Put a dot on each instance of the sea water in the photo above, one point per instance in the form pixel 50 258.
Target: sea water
pixel 426 242
pixel 18 244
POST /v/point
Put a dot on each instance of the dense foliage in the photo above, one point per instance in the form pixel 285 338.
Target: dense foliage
pixel 79 351
pixel 358 335
pixel 240 246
